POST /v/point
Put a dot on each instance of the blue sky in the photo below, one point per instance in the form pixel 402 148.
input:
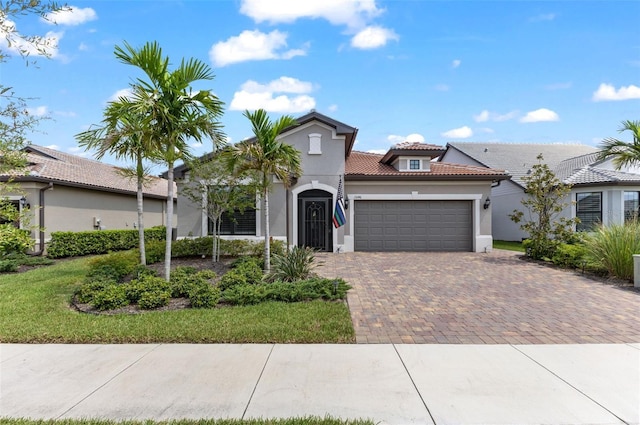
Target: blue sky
pixel 433 71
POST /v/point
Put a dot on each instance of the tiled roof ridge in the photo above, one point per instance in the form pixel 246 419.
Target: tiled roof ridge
pixel 67 157
pixel 522 143
pixel 468 166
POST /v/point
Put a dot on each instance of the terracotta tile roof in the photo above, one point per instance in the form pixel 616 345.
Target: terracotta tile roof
pixel 368 164
pixel 50 165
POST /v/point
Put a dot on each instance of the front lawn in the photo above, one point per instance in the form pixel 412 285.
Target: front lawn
pixel 34 308
pixel 508 245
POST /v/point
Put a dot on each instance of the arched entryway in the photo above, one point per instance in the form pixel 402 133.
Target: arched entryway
pixel 314 220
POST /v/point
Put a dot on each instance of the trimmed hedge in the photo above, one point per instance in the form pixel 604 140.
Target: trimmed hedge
pixel 77 244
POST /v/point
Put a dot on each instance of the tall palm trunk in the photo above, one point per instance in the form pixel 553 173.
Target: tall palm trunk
pixel 140 198
pixel 169 234
pixel 267 248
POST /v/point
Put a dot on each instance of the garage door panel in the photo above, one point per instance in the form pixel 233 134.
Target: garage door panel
pixel 413 225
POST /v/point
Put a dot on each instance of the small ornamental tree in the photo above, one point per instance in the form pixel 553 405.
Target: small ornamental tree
pixel 544 202
pixel 218 190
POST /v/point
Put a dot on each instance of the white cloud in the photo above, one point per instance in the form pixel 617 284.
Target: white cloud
pixel 373 37
pixel 352 13
pixel 39 111
pixel 333 108
pixel 458 133
pixel 66 114
pixel 83 47
pixel 411 138
pixel 543 17
pixel 43 46
pixel 282 84
pixel 253 95
pixel 127 93
pixel 456 63
pixel 486 115
pixel 252 45
pixel 377 151
pixel 71 15
pixel 540 115
pixel 486 130
pixel 608 92
pixel 54 147
pixel 441 87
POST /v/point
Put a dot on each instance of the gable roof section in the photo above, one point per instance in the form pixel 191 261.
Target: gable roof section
pixel 411 149
pixel 368 166
pixel 518 158
pixel 341 128
pixel 49 165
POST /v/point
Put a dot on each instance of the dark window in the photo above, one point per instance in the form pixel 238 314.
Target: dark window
pixel 237 223
pixel 414 164
pixel 631 205
pixel 588 210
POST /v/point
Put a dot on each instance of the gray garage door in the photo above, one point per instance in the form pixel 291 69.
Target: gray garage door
pixel 413 226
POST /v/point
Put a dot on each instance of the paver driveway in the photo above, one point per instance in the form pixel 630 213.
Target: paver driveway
pixel 474 298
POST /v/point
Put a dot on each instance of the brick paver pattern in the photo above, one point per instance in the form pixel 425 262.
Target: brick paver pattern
pixel 479 298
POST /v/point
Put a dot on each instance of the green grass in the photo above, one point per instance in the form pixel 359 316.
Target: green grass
pixel 509 246
pixel 309 420
pixel 34 308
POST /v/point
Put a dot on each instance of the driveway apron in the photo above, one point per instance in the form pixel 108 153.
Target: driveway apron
pixel 479 298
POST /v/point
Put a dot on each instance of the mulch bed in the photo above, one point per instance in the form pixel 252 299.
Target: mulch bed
pixel 221 267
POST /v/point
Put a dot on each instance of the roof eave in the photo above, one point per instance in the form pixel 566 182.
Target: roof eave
pixel 40 179
pixel 425 177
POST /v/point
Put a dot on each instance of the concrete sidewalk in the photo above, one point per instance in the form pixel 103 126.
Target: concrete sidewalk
pixel 391 384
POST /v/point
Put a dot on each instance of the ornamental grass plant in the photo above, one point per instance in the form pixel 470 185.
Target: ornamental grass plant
pixel 612 247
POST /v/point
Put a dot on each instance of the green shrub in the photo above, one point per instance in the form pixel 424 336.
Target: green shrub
pixel 231 279
pixel 8 266
pixel 207 274
pixel 241 261
pixel 90 288
pixel 277 247
pixel 154 251
pixel 235 247
pixel 116 265
pixel 245 294
pixel 14 240
pixel 138 287
pixel 612 248
pixel 570 256
pixel 196 247
pixel 110 298
pixel 74 244
pixel 252 272
pixel 182 280
pixel 204 295
pixel 141 271
pixel 154 298
pixel 293 265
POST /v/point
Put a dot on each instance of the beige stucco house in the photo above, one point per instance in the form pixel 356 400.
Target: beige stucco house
pixel 69 193
pixel 599 192
pixel 400 201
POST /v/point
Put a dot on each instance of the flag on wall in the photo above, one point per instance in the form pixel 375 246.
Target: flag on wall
pixel 339 218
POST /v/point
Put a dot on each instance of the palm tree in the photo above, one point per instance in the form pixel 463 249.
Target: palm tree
pixel 173 112
pixel 122 135
pixel 623 153
pixel 268 157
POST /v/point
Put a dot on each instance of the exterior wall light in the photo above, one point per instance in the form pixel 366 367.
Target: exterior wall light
pixel 487 203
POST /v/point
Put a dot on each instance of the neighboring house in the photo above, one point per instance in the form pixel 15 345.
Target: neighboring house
pixel 599 194
pixel 69 193
pixel 400 201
